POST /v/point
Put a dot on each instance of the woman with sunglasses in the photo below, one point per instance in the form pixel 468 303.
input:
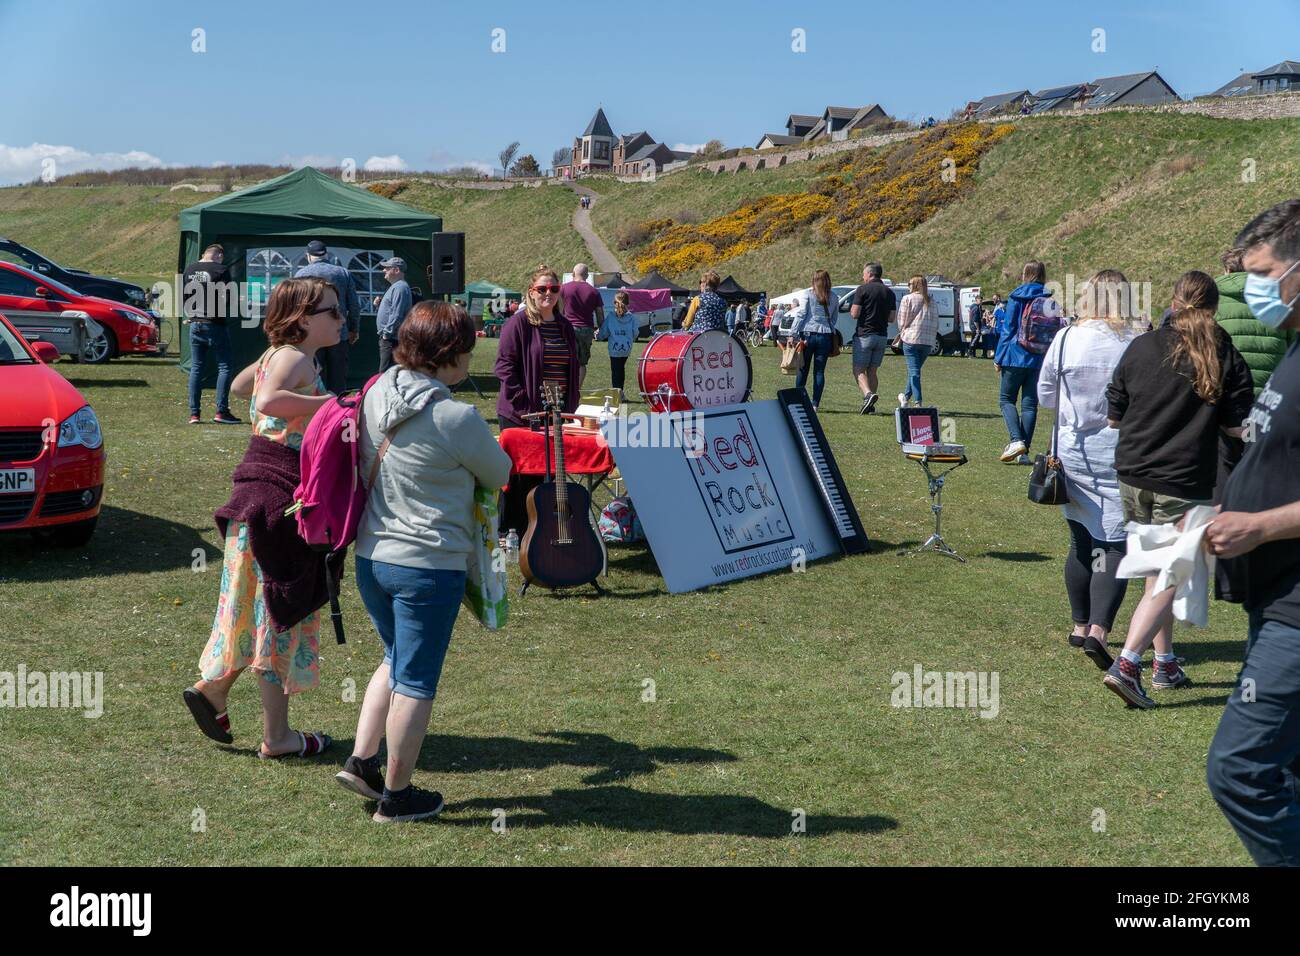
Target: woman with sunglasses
pixel 538 345
pixel 272 584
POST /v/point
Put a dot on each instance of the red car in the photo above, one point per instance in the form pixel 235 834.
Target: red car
pixel 51 447
pixel 26 296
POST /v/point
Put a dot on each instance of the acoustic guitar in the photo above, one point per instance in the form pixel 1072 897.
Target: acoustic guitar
pixel 560 548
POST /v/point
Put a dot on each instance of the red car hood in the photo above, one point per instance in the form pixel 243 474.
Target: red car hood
pixel 32 394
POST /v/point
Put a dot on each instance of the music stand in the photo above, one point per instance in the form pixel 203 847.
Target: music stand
pixel 917 431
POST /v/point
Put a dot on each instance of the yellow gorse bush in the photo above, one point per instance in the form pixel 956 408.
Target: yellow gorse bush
pixel 866 195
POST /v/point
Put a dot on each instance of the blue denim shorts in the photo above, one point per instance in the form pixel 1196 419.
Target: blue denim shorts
pixel 414 610
pixel 869 350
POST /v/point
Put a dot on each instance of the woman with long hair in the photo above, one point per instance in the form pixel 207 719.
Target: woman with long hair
pixel 917 329
pixel 1172 393
pixel 1078 366
pixel 538 346
pixel 815 329
pixel 272 584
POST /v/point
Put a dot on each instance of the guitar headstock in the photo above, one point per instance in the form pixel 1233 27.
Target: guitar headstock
pixel 553 394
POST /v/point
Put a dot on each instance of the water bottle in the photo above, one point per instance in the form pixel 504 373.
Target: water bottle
pixel 512 541
pixel 606 413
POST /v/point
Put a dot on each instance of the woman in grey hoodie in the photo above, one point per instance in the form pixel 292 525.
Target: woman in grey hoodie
pixel 414 542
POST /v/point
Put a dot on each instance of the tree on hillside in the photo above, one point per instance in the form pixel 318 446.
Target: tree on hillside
pixel 506 155
pixel 561 156
pixel 710 150
pixel 525 166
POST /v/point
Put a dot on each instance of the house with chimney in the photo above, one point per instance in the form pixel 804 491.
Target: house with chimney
pixel 598 150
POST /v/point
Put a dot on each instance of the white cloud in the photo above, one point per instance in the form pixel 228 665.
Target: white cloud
pixel 23 164
pixel 687 147
pixel 384 164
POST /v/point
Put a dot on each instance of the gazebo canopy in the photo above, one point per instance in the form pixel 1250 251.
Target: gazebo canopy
pixel 476 293
pixel 268 226
pixel 731 290
pixel 653 280
pixel 618 282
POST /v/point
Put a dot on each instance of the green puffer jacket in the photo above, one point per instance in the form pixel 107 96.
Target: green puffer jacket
pixel 1260 346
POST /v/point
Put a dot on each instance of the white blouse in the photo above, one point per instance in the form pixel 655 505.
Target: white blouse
pixel 1092 350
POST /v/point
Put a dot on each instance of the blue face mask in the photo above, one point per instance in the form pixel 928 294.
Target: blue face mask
pixel 1264 296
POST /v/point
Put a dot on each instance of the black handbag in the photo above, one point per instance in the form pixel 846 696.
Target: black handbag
pixel 1047 479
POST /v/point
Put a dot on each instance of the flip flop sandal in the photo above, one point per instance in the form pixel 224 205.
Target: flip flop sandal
pixel 214 725
pixel 313 743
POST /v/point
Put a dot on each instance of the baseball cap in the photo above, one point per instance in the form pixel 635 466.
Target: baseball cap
pixel 396 262
pixel 316 248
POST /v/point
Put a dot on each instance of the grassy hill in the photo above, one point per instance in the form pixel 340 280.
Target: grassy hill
pixel 1152 195
pixel 132 231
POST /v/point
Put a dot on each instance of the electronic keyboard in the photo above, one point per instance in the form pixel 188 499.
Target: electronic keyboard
pixel 826 474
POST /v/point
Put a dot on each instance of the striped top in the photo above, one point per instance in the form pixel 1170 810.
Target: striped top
pixel 555 353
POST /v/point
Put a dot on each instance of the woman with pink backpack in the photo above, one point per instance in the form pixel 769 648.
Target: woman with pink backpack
pixel 423 453
pixel 272 584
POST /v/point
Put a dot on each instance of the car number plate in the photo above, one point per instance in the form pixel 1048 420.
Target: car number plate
pixel 17 481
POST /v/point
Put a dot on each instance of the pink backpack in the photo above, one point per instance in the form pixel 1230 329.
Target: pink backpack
pixel 330 497
pixel 1039 323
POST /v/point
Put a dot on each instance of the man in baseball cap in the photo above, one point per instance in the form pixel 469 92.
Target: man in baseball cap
pixel 394 305
pixel 333 361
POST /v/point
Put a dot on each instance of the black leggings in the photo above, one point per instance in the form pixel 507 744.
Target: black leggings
pixel 1095 595
pixel 617 370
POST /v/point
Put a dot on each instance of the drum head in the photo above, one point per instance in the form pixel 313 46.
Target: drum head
pixel 715 370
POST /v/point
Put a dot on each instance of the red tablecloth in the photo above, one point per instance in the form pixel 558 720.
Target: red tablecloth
pixel 585 452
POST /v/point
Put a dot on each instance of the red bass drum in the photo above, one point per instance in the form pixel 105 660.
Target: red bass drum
pixel 687 370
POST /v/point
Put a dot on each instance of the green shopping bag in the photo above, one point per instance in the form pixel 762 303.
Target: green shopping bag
pixel 486 587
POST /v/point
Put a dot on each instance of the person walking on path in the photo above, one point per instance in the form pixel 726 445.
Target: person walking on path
pixel 1255 755
pixel 1173 390
pixel 333 361
pixel 815 327
pixel 1078 366
pixel 585 310
pixel 207 295
pixel 1018 367
pixel 917 329
pixel 272 584
pixel 872 309
pixel 393 306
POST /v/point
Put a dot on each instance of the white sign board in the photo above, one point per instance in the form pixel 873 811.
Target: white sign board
pixel 728 501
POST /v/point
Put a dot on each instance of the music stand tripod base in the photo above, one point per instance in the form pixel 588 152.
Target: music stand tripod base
pixel 935 542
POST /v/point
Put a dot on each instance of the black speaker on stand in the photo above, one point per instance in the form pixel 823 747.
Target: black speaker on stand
pixel 447 271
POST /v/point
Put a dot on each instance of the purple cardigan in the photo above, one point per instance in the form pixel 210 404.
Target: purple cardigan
pixel 519 367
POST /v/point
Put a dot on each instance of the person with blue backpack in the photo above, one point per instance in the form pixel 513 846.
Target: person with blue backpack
pixel 1018 360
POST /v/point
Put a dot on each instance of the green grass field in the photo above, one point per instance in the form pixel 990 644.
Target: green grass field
pixel 773 694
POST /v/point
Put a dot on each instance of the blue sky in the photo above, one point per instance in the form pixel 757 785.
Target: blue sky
pixel 417 84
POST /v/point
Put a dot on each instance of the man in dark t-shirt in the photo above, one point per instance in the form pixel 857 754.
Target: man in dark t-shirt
pixel 873 305
pixel 208 299
pixel 1255 757
pixel 585 310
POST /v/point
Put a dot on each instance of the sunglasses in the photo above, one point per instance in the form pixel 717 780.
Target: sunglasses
pixel 553 289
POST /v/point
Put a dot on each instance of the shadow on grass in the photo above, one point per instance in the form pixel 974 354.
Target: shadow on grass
pixel 1016 555
pixel 622 808
pixel 125 542
pixel 970 415
pixel 615 759
pixel 1198 652
pixel 108 383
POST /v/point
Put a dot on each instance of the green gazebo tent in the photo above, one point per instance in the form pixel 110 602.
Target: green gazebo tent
pixel 476 293
pixel 265 230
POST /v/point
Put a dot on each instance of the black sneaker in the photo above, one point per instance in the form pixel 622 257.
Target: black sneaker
pixel 869 405
pixel 1166 676
pixel 1096 651
pixel 225 418
pixel 1125 679
pixel 409 804
pixel 362 777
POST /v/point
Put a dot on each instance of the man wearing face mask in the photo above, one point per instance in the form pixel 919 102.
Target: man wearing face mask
pixel 1255 757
